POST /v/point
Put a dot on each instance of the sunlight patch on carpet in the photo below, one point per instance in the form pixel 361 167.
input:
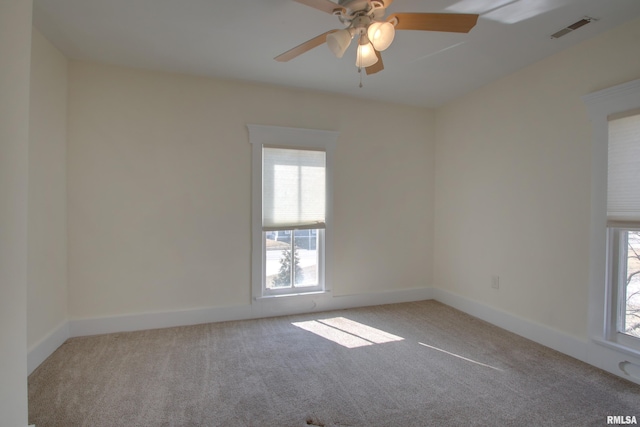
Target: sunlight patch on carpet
pixel 348 333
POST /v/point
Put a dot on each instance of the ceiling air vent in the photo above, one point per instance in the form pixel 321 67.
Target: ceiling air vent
pixel 563 32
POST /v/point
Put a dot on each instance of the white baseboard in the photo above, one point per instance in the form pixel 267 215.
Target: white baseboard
pixel 615 361
pixel 47 345
pixel 383 297
pixel 264 308
pixel 142 321
pixel 537 332
pixel 586 351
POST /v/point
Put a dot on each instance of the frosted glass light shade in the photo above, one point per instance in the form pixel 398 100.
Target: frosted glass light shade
pixel 381 35
pixel 366 55
pixel 338 42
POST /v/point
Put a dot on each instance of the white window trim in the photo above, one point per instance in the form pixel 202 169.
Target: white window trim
pixel 260 135
pixel 601 105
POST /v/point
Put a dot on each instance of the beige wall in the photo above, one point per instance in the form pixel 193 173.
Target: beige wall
pixel 513 183
pixel 15 48
pixel 47 262
pixel 159 169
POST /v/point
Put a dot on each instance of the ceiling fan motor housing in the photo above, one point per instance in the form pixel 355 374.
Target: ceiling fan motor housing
pixel 360 24
pixel 354 8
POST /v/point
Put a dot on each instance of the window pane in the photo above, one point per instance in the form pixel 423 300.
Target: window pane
pixel 632 292
pixel 306 250
pixel 281 256
pixel 278 259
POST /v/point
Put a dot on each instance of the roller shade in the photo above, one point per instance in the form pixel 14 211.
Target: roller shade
pixel 623 185
pixel 293 189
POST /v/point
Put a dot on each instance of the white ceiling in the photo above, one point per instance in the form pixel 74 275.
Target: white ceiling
pixel 238 39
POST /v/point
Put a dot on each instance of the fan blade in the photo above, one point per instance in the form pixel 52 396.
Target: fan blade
pixel 323 5
pixel 378 66
pixel 448 22
pixel 304 47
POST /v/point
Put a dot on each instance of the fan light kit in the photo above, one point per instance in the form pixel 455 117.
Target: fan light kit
pixel 364 20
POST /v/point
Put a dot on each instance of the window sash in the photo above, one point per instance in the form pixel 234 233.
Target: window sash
pixel 623 176
pixel 293 188
pixel 293 289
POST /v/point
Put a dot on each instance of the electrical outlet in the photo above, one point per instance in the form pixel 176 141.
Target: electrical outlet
pixel 495 282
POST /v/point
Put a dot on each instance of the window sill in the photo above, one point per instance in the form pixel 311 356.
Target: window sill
pixel 300 294
pixel 618 347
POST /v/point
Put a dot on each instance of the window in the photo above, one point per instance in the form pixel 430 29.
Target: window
pixel 291 213
pixel 623 226
pixel 614 267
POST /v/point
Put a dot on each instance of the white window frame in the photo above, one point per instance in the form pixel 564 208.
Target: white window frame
pixel 320 287
pixel 616 282
pixel 603 302
pixel 297 138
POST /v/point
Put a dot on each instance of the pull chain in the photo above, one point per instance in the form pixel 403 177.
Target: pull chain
pixel 359 60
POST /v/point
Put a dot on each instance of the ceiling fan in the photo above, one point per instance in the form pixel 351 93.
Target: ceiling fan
pixel 364 20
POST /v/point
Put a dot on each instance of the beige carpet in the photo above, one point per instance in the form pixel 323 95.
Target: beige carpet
pixel 413 364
